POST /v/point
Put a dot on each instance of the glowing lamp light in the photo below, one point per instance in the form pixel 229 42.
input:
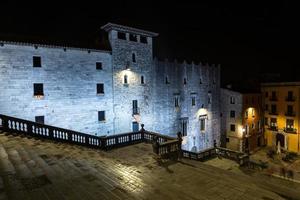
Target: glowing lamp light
pixel 243 130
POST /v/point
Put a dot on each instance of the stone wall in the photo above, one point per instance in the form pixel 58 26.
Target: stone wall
pixel 69 79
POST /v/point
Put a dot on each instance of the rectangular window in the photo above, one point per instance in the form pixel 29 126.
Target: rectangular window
pixel 100 88
pixel 202 124
pixel 176 102
pixel 143 39
pixel 290 109
pixel 184 127
pixel 232 127
pixel 167 80
pixel 273 109
pixel 290 94
pixel 40 119
pixel 142 80
pixel 135 107
pixel 38 89
pixel 132 37
pixel 273 122
pixel 227 139
pixel 193 101
pixel 99 65
pixel 101 116
pixel 232 100
pixel 266 107
pixel 37 61
pixel 121 36
pixel 289 124
pixel 232 114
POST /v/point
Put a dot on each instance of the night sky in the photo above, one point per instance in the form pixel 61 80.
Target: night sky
pixel 248 40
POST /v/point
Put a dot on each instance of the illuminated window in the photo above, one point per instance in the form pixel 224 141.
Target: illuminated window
pixel 273 122
pixel 99 65
pixel 289 123
pixel 202 124
pixel 143 39
pixel 40 119
pixel 100 88
pixel 101 116
pixel 142 80
pixel 125 79
pixel 38 89
pixel 232 127
pixel 133 58
pixel 193 101
pixel 36 61
pixel 121 36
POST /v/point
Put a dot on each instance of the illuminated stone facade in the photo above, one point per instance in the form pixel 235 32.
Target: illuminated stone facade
pixel 126 83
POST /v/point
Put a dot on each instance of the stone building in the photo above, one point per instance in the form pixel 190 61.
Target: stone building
pixel 242 119
pixel 112 91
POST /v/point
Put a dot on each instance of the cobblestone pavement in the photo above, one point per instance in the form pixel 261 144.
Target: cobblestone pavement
pixel 35 169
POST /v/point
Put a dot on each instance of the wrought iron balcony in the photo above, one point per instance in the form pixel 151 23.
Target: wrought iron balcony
pixel 290 98
pixel 272 112
pixel 290 114
pixel 273 98
pixel 273 128
pixel 290 130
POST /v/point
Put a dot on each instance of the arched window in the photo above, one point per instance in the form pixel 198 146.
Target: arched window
pixel 133 58
pixel 125 79
pixel 142 80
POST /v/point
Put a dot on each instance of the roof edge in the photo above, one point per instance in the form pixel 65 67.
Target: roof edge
pixel 111 26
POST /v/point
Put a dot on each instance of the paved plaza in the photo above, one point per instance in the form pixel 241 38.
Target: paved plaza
pixel 35 169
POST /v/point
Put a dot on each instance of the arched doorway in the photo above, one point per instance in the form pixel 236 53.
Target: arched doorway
pixel 280 139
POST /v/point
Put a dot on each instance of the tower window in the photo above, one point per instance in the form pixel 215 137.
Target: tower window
pixel 121 36
pixel 142 80
pixel 193 101
pixel 184 81
pixel 99 65
pixel 143 39
pixel 176 102
pixel 232 127
pixel 167 80
pixel 133 58
pixel 38 89
pixel 100 88
pixel 200 81
pixel 125 79
pixel 101 116
pixel 202 124
pixel 40 119
pixel 232 100
pixel 132 37
pixel 232 114
pixel 37 61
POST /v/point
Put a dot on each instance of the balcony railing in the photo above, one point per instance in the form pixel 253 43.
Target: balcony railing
pixel 290 114
pixel 290 98
pixel 273 98
pixel 273 128
pixel 273 112
pixel 290 130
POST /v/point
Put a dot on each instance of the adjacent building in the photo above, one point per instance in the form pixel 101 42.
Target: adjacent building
pixel 103 92
pixel 282 114
pixel 241 122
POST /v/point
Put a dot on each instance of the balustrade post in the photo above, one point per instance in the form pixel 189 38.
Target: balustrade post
pixel 4 124
pixel 103 142
pixel 142 132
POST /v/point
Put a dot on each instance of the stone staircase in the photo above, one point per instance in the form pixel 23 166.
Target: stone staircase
pixel 34 169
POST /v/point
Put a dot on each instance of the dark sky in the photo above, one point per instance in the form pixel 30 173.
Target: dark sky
pixel 247 39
